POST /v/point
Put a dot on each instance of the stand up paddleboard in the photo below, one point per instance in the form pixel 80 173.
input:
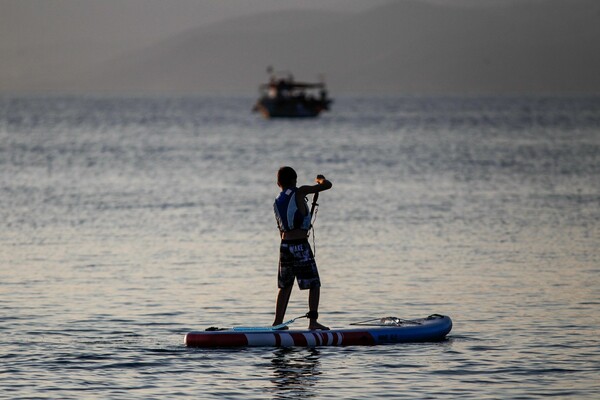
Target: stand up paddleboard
pixel 372 332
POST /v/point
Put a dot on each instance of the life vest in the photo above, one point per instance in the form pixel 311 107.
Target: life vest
pixel 287 214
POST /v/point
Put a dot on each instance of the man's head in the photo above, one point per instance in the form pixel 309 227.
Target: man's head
pixel 286 177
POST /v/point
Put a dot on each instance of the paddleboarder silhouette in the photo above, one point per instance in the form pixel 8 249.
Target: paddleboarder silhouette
pixel 296 258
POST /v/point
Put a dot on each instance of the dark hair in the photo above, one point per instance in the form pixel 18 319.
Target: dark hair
pixel 286 176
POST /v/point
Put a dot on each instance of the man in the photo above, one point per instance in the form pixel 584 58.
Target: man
pixel 296 259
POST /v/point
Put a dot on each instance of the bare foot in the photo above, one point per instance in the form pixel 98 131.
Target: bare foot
pixel 317 326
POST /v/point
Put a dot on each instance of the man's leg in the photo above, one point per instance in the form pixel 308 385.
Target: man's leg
pixel 283 297
pixel 313 307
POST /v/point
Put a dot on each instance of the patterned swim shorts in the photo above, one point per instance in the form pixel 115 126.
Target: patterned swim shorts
pixel 296 260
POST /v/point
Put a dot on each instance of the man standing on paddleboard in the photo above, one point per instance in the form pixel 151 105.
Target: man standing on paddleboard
pixel 296 259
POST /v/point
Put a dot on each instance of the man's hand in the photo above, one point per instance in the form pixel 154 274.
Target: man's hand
pixel 322 184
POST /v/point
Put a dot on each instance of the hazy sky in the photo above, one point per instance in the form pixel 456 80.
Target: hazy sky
pixel 374 46
pixel 41 40
pixel 30 21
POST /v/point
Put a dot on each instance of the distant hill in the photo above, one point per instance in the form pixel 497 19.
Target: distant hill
pixel 404 47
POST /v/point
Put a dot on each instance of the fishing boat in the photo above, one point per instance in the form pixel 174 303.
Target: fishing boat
pixel 377 331
pixel 283 97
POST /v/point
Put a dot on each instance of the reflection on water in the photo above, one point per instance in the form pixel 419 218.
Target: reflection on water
pixel 295 373
pixel 125 223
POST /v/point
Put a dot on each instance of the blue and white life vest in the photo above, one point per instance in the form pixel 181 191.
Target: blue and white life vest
pixel 287 214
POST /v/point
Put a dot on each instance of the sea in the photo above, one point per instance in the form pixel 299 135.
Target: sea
pixel 126 222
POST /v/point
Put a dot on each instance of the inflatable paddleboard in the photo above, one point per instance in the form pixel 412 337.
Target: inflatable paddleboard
pixel 385 331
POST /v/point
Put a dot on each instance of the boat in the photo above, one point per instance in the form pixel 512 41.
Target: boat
pixel 386 330
pixel 283 97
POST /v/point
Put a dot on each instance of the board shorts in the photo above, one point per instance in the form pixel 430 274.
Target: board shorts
pixel 296 260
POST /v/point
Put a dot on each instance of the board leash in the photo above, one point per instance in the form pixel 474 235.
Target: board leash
pixel 268 328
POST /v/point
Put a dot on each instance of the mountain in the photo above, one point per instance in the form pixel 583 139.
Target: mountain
pixel 400 47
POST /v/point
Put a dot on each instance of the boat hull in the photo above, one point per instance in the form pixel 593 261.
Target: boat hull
pixel 289 108
pixel 430 329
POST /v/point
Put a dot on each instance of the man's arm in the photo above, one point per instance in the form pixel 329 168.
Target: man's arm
pixel 322 184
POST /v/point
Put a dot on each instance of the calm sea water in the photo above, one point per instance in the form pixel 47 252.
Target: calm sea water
pixel 125 223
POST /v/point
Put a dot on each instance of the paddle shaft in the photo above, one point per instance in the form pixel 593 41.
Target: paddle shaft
pixel 314 204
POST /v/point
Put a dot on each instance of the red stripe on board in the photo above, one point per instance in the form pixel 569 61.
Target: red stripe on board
pixel 357 339
pixel 317 337
pixel 201 339
pixel 336 338
pixel 299 339
pixel 324 338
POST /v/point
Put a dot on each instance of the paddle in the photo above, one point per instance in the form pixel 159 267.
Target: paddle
pixel 386 321
pixel 314 204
